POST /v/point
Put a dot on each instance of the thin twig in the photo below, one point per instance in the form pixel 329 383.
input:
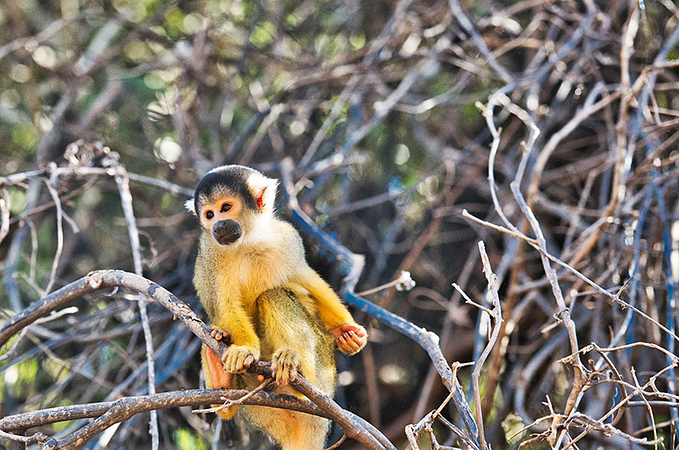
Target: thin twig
pixel 126 201
pixel 60 234
pixel 230 402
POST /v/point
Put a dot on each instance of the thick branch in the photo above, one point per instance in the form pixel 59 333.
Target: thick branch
pixel 369 437
pixel 144 403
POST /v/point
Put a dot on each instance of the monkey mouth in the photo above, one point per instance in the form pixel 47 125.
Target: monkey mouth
pixel 226 240
pixel 226 232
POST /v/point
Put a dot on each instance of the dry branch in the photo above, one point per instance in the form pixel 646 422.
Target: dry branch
pixel 375 108
pixel 352 426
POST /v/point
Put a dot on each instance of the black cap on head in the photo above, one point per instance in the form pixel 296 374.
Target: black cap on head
pixel 232 179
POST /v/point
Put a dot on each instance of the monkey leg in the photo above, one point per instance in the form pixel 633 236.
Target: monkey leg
pixel 216 377
pixel 295 342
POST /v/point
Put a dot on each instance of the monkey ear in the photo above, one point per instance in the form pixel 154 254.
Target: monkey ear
pixel 190 205
pixel 264 191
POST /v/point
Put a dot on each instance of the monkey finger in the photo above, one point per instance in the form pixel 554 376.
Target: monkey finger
pixel 353 346
pixel 285 363
pixel 245 360
pixel 292 372
pixel 229 363
pixel 292 375
pixel 234 364
pixel 238 359
pixel 281 378
pixel 345 346
pixel 218 333
pixel 351 342
pixel 360 341
pixel 357 341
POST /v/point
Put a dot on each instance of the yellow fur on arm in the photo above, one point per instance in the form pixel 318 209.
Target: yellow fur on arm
pixel 331 311
pixel 236 321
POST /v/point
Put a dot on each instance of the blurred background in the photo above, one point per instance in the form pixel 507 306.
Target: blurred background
pixel 380 106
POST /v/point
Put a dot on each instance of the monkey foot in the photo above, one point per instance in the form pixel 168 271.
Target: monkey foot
pixel 285 364
pixel 350 339
pixel 219 334
pixel 239 358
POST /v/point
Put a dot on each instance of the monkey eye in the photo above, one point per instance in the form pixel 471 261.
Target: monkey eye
pixel 209 215
pixel 225 207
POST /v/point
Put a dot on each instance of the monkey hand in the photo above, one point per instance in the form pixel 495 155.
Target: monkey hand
pixel 286 365
pixel 238 358
pixel 350 339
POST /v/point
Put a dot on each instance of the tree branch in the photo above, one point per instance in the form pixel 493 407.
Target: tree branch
pixel 352 425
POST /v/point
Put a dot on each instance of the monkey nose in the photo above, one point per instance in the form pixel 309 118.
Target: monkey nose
pixel 226 232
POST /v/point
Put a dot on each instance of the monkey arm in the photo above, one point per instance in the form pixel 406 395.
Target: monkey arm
pixel 245 349
pixel 233 318
pixel 331 311
pixel 335 317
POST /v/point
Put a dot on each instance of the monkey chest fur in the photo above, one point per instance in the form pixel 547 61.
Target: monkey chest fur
pixel 248 272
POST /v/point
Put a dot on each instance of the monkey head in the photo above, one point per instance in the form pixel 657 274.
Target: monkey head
pixel 231 202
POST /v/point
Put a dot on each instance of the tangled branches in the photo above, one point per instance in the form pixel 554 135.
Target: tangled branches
pixel 404 133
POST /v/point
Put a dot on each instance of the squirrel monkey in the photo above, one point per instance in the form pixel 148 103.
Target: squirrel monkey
pixel 252 277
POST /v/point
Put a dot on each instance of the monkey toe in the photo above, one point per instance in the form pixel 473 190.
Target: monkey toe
pixel 285 364
pixel 218 333
pixel 238 359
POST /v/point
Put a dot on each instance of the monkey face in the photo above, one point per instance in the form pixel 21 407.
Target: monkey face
pixel 230 201
pixel 222 217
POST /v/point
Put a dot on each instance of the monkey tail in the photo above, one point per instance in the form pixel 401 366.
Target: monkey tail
pixel 216 378
pixel 291 429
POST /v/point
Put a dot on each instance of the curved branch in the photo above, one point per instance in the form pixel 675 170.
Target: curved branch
pixel 145 403
pixel 351 424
